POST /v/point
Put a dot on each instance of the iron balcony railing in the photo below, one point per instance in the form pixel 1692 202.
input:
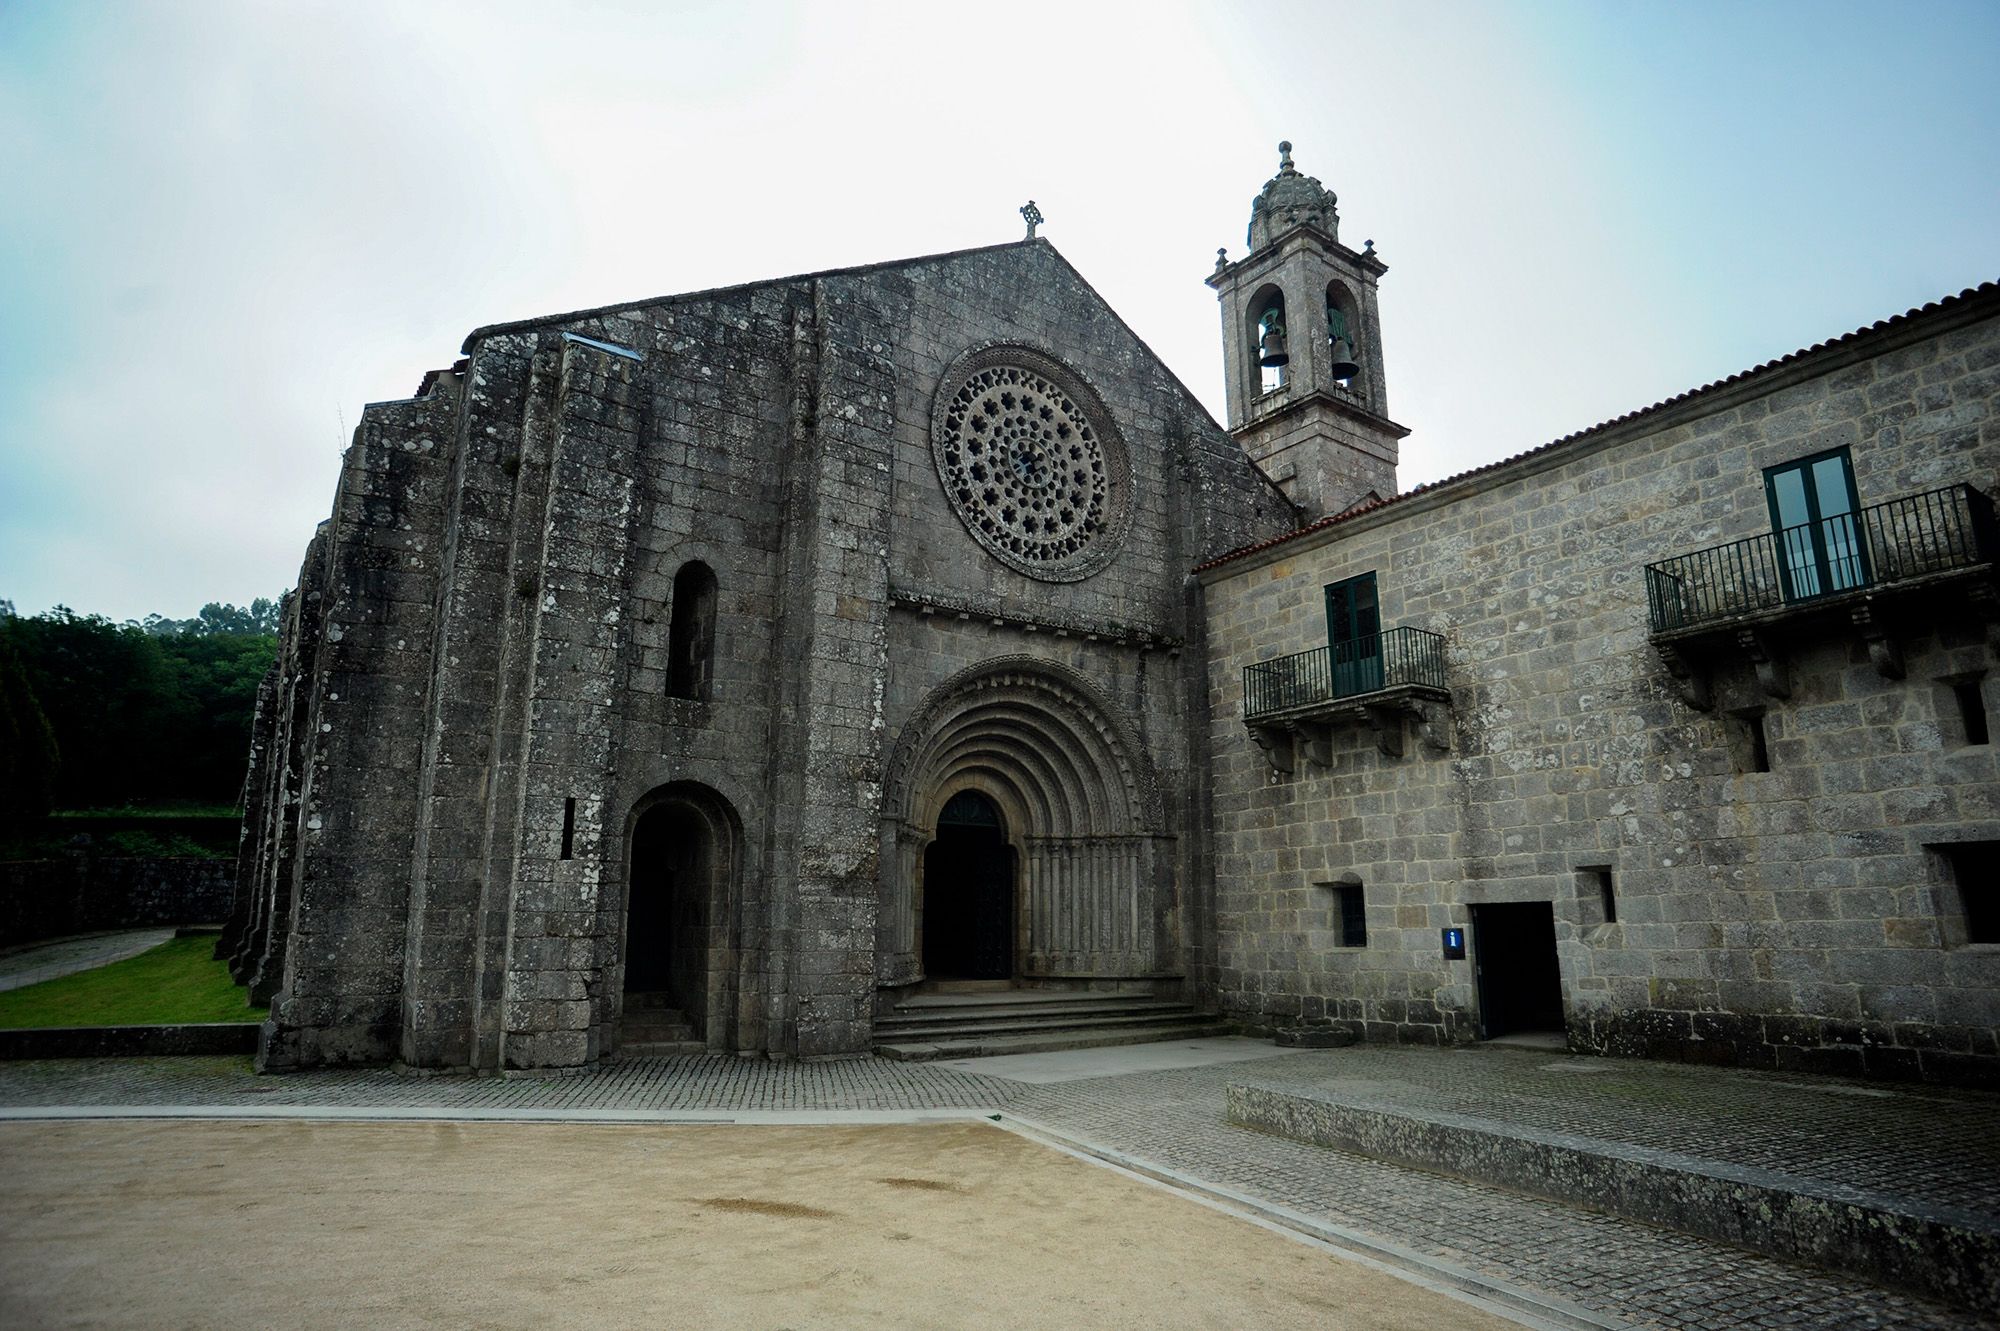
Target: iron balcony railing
pixel 1344 670
pixel 1932 532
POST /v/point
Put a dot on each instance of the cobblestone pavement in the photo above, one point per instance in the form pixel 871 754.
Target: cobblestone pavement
pixel 1172 1119
pixel 35 962
pixel 690 1083
pixel 1646 1276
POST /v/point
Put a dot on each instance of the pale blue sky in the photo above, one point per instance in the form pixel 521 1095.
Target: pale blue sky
pixel 226 226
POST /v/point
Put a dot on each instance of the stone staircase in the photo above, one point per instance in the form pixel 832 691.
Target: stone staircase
pixel 1032 1021
pixel 653 1027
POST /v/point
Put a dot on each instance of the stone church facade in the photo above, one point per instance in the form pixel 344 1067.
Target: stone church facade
pixel 792 648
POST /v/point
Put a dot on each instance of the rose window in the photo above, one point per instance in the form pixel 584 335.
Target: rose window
pixel 1026 469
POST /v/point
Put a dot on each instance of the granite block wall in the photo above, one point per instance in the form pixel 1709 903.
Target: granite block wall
pixel 472 713
pixel 1799 917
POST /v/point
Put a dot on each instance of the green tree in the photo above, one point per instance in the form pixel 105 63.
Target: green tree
pixel 218 674
pixel 28 755
pixel 217 618
pixel 143 712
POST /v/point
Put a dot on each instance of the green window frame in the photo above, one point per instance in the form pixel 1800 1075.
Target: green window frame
pixel 1354 635
pixel 1816 525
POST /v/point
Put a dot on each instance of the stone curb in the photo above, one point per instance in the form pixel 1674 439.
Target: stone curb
pixel 224 1037
pixel 1518 1304
pixel 1942 1252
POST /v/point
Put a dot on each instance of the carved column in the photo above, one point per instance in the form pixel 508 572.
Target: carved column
pixel 899 917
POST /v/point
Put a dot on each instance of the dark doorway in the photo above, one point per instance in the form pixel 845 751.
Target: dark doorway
pixel 666 923
pixel 1514 958
pixel 969 894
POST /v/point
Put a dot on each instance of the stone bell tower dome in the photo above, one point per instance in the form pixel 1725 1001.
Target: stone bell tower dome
pixel 1302 351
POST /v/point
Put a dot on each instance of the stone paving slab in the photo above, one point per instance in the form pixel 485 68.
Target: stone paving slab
pixel 1171 1120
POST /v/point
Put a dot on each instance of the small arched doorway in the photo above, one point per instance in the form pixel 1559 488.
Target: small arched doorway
pixel 676 899
pixel 968 911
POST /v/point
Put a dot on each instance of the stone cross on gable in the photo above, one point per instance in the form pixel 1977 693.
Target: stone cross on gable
pixel 1033 216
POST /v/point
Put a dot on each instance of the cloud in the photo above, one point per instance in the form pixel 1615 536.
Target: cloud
pixel 242 222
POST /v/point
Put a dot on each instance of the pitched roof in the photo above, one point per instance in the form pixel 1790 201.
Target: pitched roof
pixel 1983 294
pixel 546 320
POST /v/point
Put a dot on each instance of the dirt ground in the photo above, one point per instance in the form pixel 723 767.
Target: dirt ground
pixel 364 1225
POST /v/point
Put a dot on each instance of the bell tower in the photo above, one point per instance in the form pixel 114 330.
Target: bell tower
pixel 1303 353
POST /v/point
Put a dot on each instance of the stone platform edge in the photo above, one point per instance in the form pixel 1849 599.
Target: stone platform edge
pixel 223 1037
pixel 1943 1252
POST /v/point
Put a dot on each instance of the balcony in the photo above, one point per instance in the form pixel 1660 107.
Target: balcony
pixel 1292 703
pixel 1850 564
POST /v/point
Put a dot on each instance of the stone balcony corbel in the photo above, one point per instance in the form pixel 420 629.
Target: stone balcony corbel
pixel 1387 723
pixel 1276 742
pixel 1689 679
pixel 1884 652
pixel 1772 676
pixel 1315 741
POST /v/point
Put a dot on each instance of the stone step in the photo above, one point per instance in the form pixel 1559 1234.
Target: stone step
pixel 1028 1023
pixel 922 1051
pixel 1023 996
pixel 659 1048
pixel 978 1012
pixel 655 1030
pixel 681 1035
pixel 1078 1005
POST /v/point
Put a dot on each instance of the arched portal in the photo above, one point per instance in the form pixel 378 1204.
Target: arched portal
pixel 968 889
pixel 1089 868
pixel 681 859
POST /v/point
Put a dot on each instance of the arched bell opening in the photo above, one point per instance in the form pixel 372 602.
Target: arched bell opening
pixel 677 954
pixel 1342 325
pixel 1269 351
pixel 968 897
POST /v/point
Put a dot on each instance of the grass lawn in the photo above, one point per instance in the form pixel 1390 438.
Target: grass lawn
pixel 176 982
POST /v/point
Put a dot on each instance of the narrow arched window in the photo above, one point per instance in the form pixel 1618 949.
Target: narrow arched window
pixel 1267 339
pixel 691 636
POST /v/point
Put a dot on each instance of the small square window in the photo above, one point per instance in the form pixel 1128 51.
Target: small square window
pixel 1596 895
pixel 1749 743
pixel 1971 903
pixel 1970 695
pixel 1350 914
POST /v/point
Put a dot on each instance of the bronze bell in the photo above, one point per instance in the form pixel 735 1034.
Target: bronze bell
pixel 1271 349
pixel 1344 366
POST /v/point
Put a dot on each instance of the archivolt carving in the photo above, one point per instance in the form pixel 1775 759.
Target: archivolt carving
pixel 1080 807
pixel 1037 736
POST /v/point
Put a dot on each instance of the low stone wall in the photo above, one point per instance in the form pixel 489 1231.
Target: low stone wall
pixel 222 1037
pixel 85 893
pixel 1944 1054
